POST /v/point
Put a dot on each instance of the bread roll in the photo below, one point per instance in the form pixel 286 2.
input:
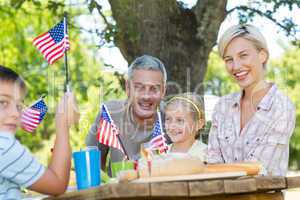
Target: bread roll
pixel 171 165
pixel 251 168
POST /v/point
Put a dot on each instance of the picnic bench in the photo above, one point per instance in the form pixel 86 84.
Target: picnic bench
pixel 243 188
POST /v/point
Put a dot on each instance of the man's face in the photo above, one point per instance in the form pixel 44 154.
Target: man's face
pixel 11 101
pixel 145 91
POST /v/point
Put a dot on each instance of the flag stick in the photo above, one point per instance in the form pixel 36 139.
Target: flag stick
pixel 67 86
pixel 41 97
pixel 122 145
pixel 161 128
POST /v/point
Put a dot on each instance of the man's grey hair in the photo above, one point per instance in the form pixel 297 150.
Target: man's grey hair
pixel 148 63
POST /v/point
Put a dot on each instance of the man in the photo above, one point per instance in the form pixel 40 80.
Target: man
pixel 135 116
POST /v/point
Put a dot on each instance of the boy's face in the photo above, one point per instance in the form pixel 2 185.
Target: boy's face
pixel 11 102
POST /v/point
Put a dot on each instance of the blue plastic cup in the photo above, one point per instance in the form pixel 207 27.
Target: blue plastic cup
pixel 87 168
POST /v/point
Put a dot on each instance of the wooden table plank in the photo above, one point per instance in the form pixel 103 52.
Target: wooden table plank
pixel 293 182
pixel 270 183
pixel 251 196
pixel 255 187
pixel 170 189
pixel 206 188
pixel 122 190
pixel 240 186
pixel 90 194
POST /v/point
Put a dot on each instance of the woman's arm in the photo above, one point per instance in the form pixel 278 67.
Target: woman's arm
pixel 273 153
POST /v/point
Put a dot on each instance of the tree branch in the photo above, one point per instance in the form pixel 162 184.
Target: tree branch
pixel 93 5
pixel 80 28
pixel 263 14
pixel 109 31
pixel 209 14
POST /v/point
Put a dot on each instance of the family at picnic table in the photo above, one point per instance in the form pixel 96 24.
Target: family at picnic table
pixel 253 125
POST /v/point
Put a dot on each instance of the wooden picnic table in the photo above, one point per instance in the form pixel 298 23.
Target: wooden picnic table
pixel 243 188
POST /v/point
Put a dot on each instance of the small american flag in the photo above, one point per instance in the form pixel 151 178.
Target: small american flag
pixel 33 116
pixel 158 141
pixel 108 131
pixel 53 43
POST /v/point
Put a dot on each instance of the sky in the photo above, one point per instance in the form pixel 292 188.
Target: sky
pixel 112 56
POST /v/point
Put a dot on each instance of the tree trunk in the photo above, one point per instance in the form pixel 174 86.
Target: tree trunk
pixel 182 38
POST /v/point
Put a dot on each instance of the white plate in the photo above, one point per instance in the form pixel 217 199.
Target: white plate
pixel 204 176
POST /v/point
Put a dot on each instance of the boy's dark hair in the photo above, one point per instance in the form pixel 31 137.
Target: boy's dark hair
pixel 8 75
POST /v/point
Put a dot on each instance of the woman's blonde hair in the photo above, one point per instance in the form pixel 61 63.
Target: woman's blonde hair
pixel 192 101
pixel 246 31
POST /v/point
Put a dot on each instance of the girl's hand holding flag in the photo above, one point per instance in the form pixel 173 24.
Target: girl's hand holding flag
pixel 158 140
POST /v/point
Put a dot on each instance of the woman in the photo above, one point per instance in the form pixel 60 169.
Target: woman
pixel 255 124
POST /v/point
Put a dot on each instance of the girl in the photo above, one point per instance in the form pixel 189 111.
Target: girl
pixel 184 120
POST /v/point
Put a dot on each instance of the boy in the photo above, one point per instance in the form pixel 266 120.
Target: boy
pixel 18 168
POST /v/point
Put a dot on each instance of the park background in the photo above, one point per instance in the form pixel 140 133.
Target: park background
pixel 107 35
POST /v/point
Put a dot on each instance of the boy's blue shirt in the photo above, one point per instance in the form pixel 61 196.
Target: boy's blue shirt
pixel 18 167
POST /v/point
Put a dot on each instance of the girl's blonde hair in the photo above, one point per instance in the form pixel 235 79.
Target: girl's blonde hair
pixel 246 31
pixel 192 101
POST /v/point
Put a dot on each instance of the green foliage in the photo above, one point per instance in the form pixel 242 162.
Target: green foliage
pixel 286 73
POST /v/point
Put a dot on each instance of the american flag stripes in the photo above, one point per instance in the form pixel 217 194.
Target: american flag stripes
pixel 108 132
pixel 33 116
pixel 53 43
pixel 158 141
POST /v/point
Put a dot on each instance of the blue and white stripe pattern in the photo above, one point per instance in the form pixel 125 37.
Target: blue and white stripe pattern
pixel 18 168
